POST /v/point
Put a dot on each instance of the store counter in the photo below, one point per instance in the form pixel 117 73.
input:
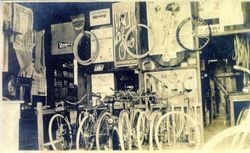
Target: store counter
pixel 9 120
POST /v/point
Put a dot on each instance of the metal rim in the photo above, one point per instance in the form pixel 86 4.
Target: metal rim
pixel 180 26
pixel 51 128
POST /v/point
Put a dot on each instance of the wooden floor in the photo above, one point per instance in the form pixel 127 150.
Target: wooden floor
pixel 214 128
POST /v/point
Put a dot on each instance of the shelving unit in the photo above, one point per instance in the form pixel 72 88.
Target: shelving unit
pixel 64 81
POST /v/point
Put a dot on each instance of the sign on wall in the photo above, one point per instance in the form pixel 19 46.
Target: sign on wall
pixel 21 14
pixel 103 83
pixel 169 83
pixel 62 43
pixel 105 41
pixel 99 17
pixel 163 19
pixel 124 18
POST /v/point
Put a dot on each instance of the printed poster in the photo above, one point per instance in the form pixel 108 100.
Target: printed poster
pixel 105 41
pixel 163 19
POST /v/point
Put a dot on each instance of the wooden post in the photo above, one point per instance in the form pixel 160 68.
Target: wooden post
pixel 40 125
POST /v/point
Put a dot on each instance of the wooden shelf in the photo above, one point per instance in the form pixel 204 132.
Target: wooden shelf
pixel 226 33
pixel 232 32
pixel 63 78
pixel 171 68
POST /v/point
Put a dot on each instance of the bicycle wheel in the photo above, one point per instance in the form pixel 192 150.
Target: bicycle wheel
pixel 236 137
pixel 103 132
pixel 134 121
pixel 132 34
pixel 202 33
pixel 177 130
pixel 124 129
pixel 155 116
pixel 85 134
pixel 141 129
pixel 60 134
pixel 75 48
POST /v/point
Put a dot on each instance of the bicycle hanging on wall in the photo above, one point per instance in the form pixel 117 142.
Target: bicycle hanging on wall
pixel 201 33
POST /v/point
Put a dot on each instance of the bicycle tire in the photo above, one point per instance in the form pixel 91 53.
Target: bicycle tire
pixel 79 132
pixel 155 116
pixel 98 126
pixel 75 48
pixel 192 123
pixel 52 142
pixel 134 120
pixel 181 27
pixel 140 132
pixel 123 124
pixel 126 39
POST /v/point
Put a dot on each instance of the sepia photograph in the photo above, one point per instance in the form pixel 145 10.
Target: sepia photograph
pixel 117 75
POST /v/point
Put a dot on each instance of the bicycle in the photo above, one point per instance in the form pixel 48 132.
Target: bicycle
pixel 177 129
pixel 85 136
pixel 148 118
pixel 106 125
pixel 201 33
pixel 60 127
pixel 128 118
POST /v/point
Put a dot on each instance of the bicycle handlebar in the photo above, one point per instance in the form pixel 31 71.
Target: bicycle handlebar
pixel 78 102
pixel 240 68
pixel 97 95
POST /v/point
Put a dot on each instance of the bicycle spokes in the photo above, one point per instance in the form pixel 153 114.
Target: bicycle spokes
pixel 177 130
pixel 60 133
pixel 198 32
pixel 86 135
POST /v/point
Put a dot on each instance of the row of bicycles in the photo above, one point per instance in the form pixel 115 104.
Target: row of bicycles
pixel 126 120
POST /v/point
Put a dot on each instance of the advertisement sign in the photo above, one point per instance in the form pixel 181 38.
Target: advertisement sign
pixel 123 19
pixel 22 13
pixel 99 17
pixel 105 41
pixel 103 83
pixel 172 83
pixel 61 43
pixel 163 19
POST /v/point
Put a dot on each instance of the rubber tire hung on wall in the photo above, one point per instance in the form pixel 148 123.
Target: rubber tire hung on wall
pixel 126 40
pixel 75 48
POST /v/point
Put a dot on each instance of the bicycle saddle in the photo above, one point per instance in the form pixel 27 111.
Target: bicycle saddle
pixel 187 90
